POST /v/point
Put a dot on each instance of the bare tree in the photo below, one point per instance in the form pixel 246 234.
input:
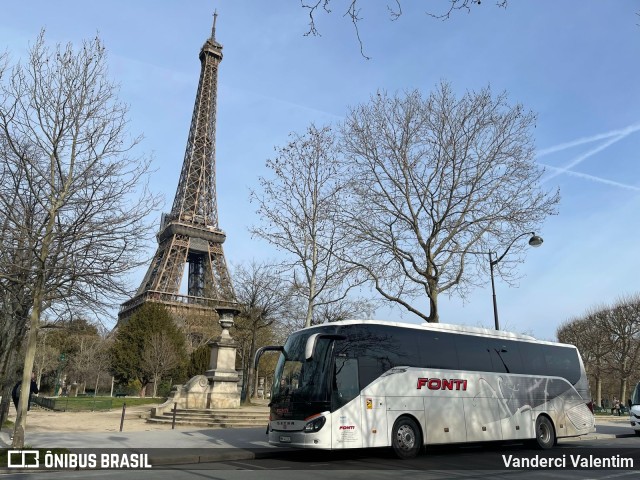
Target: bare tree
pixel 298 208
pixel 434 182
pixel 264 298
pixel 159 357
pixel 352 12
pixel 464 5
pixel 15 296
pixel 77 205
pixel 248 340
pixel 622 330
pixel 89 360
pixel 608 338
pixel 325 312
pixel 198 330
pixel 46 357
pixel 586 333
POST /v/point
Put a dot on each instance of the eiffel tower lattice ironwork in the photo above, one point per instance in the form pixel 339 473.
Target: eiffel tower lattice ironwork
pixel 190 232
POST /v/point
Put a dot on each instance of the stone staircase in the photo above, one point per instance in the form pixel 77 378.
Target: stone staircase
pixel 253 416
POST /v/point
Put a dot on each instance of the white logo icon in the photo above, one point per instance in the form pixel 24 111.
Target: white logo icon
pixel 18 459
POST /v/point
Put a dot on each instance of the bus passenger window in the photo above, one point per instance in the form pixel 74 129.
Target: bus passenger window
pixel 345 382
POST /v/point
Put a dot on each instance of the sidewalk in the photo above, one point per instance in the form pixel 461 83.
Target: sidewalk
pixel 183 445
pixel 168 447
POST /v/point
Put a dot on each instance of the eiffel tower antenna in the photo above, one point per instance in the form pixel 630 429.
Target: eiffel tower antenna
pixel 213 29
pixel 190 234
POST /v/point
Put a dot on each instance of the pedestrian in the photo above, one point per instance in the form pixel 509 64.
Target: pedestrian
pixel 616 406
pixel 15 393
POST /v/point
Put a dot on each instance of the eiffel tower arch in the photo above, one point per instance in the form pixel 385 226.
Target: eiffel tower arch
pixel 189 234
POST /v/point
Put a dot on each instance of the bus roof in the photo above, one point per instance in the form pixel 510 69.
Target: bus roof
pixel 443 327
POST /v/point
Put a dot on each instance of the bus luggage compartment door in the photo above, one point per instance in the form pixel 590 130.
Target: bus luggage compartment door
pixel 445 420
pixel 482 412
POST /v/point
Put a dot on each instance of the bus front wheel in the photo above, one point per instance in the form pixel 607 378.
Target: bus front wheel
pixel 406 438
pixel 545 433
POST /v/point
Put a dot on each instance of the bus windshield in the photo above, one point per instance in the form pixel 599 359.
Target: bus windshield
pixel 301 387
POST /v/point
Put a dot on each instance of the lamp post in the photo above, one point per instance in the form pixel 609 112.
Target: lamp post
pixel 534 241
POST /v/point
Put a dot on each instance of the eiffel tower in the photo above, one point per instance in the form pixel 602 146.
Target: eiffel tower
pixel 190 232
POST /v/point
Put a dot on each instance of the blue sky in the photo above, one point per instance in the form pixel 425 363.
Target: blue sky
pixel 576 63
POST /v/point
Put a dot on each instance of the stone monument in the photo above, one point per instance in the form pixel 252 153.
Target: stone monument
pixel 218 387
pixel 222 375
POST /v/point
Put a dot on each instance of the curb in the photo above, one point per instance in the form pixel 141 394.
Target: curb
pixel 237 454
pixel 194 459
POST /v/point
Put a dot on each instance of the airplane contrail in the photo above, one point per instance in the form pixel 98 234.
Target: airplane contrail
pixel 612 136
pixel 583 157
pixel 593 138
pixel 591 177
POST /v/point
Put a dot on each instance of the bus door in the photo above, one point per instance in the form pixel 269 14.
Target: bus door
pixel 347 410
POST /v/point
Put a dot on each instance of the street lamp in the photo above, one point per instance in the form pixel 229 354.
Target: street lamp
pixel 534 241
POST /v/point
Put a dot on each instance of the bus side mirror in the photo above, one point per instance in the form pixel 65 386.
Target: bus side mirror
pixel 261 350
pixel 310 347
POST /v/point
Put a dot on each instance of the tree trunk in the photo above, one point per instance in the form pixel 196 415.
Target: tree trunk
pixel 11 339
pixel 623 390
pixel 307 321
pixel 251 372
pixel 433 302
pixel 9 380
pixel 25 390
pixel 256 382
pixel 312 286
pixel 155 385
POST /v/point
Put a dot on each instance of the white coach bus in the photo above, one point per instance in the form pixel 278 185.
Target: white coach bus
pixel 358 384
pixel 634 411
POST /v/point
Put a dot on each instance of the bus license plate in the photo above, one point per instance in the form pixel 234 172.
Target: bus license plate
pixel 285 439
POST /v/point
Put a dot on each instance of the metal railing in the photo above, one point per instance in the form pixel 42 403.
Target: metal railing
pixel 74 404
pixel 183 300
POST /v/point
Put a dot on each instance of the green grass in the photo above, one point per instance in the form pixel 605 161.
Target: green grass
pixel 73 404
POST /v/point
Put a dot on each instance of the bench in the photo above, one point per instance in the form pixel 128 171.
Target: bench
pixel 120 394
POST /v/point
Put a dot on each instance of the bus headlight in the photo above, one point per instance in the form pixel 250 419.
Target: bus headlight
pixel 315 425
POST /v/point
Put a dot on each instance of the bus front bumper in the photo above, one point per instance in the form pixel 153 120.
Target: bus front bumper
pixel 299 439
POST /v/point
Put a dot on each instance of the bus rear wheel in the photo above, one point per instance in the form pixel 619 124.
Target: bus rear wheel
pixel 406 438
pixel 545 433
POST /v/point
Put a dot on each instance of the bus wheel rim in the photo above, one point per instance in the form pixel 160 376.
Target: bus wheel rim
pixel 406 437
pixel 543 433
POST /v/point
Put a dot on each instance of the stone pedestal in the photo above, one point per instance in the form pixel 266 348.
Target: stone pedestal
pixel 223 378
pixel 222 375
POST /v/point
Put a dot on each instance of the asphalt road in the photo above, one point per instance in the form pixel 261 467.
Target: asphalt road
pixel 458 462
